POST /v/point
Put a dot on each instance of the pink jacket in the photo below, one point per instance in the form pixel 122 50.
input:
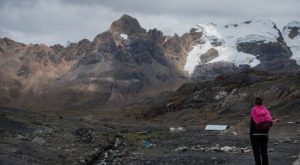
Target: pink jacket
pixel 260 113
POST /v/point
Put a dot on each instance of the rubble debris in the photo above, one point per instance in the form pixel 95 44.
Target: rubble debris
pixel 217 148
pixel 148 144
pixel 271 150
pixel 43 130
pixel 21 137
pixel 178 129
pixel 234 133
pixel 198 148
pixel 297 162
pixel 38 140
pixel 227 149
pixel 245 150
pixel 117 142
pixel 85 135
pixel 220 95
pixel 181 149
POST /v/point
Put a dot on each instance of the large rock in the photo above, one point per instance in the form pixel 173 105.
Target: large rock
pixel 209 55
pixel 212 70
pixel 273 56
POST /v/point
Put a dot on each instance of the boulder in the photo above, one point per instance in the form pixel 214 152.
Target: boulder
pixel 211 54
pixel 181 149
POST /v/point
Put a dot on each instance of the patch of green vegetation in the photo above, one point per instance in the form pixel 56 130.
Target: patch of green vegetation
pixel 3 114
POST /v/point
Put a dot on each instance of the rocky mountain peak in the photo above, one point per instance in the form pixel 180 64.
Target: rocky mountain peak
pixel 293 29
pixel 291 35
pixel 262 20
pixel 8 42
pixel 127 25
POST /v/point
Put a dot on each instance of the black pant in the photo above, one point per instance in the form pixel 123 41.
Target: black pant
pixel 260 149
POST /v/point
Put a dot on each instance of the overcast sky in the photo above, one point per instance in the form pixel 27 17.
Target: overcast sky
pixel 59 21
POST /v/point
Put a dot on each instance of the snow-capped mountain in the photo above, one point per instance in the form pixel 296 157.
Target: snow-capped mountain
pixel 255 43
pixel 291 34
pixel 127 62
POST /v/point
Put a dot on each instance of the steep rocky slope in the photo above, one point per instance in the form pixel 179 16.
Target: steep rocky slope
pixel 27 69
pixel 227 98
pixel 120 65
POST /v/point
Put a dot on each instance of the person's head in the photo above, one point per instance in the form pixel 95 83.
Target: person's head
pixel 258 101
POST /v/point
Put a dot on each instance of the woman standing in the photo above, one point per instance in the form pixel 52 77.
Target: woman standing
pixel 261 122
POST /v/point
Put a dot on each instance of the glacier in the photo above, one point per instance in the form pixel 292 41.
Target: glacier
pixel 228 37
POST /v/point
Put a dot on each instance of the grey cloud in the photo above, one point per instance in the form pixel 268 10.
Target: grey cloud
pixel 52 21
pixel 199 7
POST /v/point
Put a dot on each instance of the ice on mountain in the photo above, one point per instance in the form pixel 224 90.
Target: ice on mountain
pixel 258 29
pixel 294 43
pixel 294 24
pixel 124 36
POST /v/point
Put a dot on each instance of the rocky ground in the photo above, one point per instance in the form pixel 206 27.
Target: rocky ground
pixel 34 138
pixel 200 147
pixel 81 138
pixel 140 133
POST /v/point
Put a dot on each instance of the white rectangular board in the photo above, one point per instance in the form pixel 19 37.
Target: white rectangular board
pixel 210 127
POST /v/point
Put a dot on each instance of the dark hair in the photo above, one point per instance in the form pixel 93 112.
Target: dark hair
pixel 258 101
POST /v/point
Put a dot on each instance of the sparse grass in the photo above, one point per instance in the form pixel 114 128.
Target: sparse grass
pixel 36 122
pixel 3 114
pixel 139 136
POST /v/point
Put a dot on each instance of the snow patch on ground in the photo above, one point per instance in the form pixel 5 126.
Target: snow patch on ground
pixel 258 29
pixel 294 43
pixel 124 36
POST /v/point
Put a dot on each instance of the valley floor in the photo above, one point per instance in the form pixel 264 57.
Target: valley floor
pixel 81 138
pixel 200 147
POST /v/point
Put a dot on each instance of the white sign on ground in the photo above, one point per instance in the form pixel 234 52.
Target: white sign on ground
pixel 210 127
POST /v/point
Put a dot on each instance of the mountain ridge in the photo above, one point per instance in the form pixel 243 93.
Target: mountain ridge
pixel 123 64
